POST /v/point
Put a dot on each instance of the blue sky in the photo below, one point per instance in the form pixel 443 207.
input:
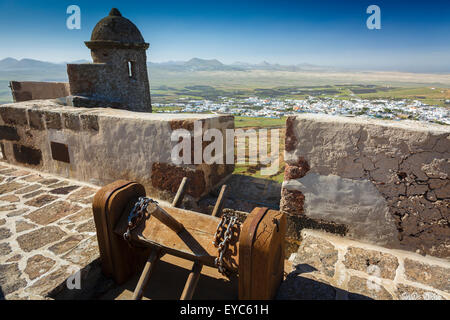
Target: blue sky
pixel 414 35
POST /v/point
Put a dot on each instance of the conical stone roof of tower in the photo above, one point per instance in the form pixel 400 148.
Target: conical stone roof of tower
pixel 116 31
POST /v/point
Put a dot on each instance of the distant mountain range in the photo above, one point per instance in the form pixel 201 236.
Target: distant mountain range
pixel 11 64
pixel 26 67
pixel 195 64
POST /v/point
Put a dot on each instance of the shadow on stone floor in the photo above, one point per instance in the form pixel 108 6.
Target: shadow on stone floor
pixel 167 282
pixel 93 285
pixel 244 193
pixel 302 284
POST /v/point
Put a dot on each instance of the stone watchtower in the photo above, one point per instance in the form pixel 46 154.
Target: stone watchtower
pixel 118 77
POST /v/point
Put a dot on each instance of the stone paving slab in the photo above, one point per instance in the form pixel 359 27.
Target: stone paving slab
pixel 47 232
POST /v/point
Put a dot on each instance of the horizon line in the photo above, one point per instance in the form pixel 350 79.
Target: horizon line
pixel 337 68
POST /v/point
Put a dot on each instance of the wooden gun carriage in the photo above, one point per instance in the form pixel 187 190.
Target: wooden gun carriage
pixel 254 251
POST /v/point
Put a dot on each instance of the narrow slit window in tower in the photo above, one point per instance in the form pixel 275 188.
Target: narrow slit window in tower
pixel 130 69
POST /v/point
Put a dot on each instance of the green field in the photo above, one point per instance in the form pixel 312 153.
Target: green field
pixel 429 95
pixel 257 122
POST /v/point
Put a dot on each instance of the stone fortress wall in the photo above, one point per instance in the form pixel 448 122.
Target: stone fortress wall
pixel 36 90
pixel 379 192
pixel 99 145
pixel 379 181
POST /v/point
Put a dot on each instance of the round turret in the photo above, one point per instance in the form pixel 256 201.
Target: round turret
pixel 115 31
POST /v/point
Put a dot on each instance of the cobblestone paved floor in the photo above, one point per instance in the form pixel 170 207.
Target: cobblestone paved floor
pixel 47 231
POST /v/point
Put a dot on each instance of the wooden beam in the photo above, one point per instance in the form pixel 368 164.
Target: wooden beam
pixel 180 193
pixel 146 274
pixel 163 216
pixel 220 201
pixel 192 281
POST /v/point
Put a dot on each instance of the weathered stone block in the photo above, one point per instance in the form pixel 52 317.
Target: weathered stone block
pixel 33 90
pixel 10 278
pixel 296 170
pixel 82 215
pixel 47 181
pixel 88 226
pixel 84 253
pixel 5 233
pixel 182 124
pixel 36 119
pixel 10 186
pixel 33 194
pixel 41 200
pixel 51 283
pixel 372 262
pixel 444 191
pixel 317 253
pixel 290 142
pixel 52 212
pixel 28 189
pixel 369 288
pixel 38 265
pixel 22 96
pixel 82 194
pixel 66 244
pixel 407 292
pixel 9 133
pixel 10 198
pixel 27 155
pixel 72 121
pixel 5 249
pixel 432 275
pixel 14 116
pixel 14 258
pixel 292 201
pixel 8 207
pixel 89 122
pixel 22 225
pixel 18 212
pixel 38 238
pixel 53 120
pixel 32 178
pixel 64 190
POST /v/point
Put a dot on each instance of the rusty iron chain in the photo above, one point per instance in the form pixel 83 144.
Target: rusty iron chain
pixel 137 215
pixel 224 230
